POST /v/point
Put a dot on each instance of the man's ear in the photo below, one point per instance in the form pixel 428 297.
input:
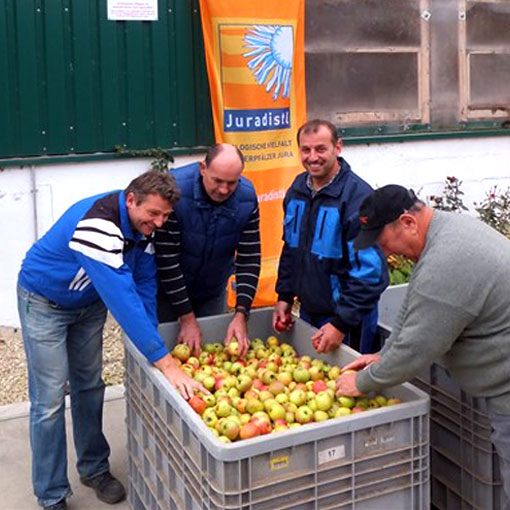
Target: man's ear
pixel 130 199
pixel 408 221
pixel 202 168
pixel 339 146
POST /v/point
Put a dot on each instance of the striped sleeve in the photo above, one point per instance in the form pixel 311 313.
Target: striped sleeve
pixel 100 240
pixel 167 241
pixel 248 261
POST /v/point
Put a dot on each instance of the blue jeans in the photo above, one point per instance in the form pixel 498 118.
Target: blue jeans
pixel 63 345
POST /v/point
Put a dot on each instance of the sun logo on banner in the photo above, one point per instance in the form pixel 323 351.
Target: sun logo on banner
pixel 271 48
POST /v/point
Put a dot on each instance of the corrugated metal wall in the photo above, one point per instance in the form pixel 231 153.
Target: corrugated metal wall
pixel 73 82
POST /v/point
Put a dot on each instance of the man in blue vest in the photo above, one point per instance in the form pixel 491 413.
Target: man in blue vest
pixel 212 233
pixel 338 288
pixel 98 255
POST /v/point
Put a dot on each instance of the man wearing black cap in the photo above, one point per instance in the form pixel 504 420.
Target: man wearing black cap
pixel 457 306
pixel 338 289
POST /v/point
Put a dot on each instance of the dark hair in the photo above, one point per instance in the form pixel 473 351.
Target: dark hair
pixel 154 182
pixel 216 149
pixel 313 126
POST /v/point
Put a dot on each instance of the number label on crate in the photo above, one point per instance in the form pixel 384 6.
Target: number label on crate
pixel 335 453
pixel 279 463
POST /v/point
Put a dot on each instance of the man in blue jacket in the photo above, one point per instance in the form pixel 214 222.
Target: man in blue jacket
pixel 338 288
pixel 212 233
pixel 98 255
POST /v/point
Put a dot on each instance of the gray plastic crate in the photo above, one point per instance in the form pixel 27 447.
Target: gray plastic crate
pixel 369 461
pixel 464 463
pixel 464 466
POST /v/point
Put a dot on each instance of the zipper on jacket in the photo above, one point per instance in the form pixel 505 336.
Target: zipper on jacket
pixel 321 230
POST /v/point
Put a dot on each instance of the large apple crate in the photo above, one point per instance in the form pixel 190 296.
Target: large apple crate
pixel 368 461
pixel 464 463
pixel 464 466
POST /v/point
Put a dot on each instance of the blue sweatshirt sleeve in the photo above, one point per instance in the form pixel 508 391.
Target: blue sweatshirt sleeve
pixel 129 304
pixel 144 276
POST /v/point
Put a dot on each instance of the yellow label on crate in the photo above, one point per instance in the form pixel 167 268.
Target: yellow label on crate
pixel 279 463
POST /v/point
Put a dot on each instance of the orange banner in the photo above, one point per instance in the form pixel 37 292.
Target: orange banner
pixel 255 64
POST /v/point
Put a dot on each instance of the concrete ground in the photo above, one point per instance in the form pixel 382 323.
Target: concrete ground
pixel 15 485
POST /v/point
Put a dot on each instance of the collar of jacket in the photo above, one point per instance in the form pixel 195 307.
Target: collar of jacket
pixel 200 197
pixel 335 188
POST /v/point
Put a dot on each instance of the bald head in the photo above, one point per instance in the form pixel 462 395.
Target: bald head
pixel 221 171
pixel 228 149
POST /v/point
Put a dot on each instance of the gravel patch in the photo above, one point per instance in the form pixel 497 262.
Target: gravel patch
pixel 13 367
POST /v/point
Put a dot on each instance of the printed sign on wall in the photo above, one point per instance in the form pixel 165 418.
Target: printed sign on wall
pixel 132 10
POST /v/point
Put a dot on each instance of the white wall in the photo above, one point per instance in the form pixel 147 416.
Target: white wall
pixel 422 165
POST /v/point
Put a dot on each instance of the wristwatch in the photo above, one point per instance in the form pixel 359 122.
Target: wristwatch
pixel 244 311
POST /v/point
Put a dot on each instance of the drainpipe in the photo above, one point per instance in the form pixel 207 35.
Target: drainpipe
pixel 34 201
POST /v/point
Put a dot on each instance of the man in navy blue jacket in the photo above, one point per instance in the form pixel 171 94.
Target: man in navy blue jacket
pixel 100 252
pixel 212 232
pixel 337 287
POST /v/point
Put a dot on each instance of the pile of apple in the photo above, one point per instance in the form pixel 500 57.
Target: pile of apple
pixel 271 389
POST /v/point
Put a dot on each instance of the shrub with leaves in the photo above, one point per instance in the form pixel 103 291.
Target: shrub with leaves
pixel 400 269
pixel 495 210
pixel 451 197
pixel 161 157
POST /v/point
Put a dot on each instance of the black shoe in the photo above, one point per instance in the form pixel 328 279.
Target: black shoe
pixel 107 487
pixel 60 505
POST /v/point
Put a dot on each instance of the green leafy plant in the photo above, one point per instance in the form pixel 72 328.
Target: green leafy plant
pixel 400 269
pixel 494 210
pixel 451 197
pixel 161 157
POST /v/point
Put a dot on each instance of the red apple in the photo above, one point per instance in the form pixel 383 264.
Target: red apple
pixel 249 430
pixel 197 404
pixel 319 386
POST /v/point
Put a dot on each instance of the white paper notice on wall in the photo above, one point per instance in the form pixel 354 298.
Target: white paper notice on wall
pixel 133 10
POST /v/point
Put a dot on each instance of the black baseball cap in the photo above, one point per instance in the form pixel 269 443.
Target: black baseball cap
pixel 383 206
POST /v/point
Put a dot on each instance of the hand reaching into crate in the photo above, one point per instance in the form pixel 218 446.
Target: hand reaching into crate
pixel 346 381
pixel 183 382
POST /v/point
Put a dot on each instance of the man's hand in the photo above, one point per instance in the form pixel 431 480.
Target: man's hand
pixel 237 329
pixel 282 320
pixel 190 333
pixel 327 338
pixel 185 384
pixel 346 382
pixel 362 362
pixel 346 385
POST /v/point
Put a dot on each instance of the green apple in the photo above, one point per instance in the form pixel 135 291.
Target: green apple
pixel 344 401
pixel 210 400
pixel 182 352
pixel 269 403
pixel 244 382
pixel 233 348
pixel 324 401
pixel 301 375
pixel 304 414
pixel 319 416
pixel 253 406
pixel 283 398
pixel 334 372
pixel 230 428
pixel 223 409
pixel 277 412
pixel 342 411
pixel 297 397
